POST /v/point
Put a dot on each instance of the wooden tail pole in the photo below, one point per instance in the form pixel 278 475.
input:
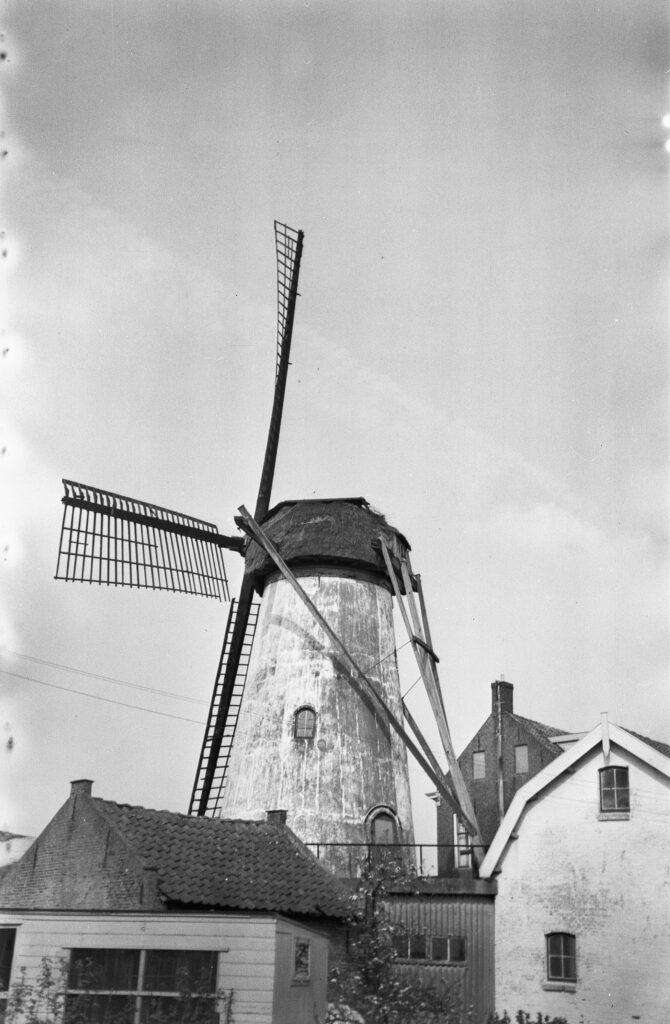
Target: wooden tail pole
pixel 426 662
pixel 359 680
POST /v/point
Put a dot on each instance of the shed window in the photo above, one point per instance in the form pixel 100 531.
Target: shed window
pixel 304 724
pixel 301 957
pixel 521 759
pixel 614 792
pixel 7 939
pixel 561 957
pixel 127 986
pixel 479 765
pixel 427 948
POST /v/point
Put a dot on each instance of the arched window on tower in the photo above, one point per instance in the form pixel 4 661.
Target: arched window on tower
pixel 304 723
pixel 384 831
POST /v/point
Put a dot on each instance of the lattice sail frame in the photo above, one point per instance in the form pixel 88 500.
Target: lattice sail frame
pixel 111 539
pixel 286 240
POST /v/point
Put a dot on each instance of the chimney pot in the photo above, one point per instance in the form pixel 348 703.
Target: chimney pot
pixel 81 787
pixel 276 817
pixel 502 691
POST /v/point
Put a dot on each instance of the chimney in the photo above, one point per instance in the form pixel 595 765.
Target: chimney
pixel 81 787
pixel 276 817
pixel 503 693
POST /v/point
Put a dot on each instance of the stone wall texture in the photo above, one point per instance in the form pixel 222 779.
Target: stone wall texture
pixel 353 764
pixel 605 881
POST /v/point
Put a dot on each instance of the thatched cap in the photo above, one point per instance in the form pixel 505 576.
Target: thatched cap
pixel 337 533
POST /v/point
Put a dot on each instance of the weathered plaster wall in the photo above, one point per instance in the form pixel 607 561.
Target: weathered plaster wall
pixel 330 783
pixel 607 882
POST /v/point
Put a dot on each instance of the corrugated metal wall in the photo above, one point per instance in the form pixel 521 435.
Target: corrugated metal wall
pixel 472 917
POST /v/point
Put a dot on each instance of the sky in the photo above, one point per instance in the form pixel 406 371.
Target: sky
pixel 480 346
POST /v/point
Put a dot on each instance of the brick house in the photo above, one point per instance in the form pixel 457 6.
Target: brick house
pixel 144 898
pixel 504 753
pixel 583 871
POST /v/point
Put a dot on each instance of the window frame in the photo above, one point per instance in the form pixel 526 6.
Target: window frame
pixel 139 994
pixel 481 754
pixel 405 939
pixel 297 734
pixel 9 932
pixel 521 771
pixel 300 977
pixel 463 844
pixel 617 810
pixel 563 956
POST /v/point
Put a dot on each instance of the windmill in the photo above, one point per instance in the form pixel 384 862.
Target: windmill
pixel 111 539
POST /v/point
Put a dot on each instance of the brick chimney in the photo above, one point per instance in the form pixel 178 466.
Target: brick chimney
pixel 504 693
pixel 276 817
pixel 81 787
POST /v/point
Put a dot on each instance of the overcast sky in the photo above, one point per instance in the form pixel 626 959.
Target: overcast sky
pixel 479 348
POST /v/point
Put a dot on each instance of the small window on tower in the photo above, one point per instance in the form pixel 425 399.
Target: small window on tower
pixel 479 765
pixel 304 724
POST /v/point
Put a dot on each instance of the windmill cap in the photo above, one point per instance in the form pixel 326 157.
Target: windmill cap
pixel 321 534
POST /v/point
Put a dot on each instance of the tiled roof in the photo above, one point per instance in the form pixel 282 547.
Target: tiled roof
pixel 663 748
pixel 543 733
pixel 244 865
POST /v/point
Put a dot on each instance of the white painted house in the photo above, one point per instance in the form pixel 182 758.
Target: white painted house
pixel 133 907
pixel 582 861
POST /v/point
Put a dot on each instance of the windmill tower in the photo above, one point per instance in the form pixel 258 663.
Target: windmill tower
pixel 304 740
pixel 306 713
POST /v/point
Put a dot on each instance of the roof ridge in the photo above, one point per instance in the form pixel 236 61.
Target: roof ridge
pixel 185 816
pixel 553 729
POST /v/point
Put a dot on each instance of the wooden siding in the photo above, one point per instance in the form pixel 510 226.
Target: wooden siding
pixel 472 917
pixel 247 945
pixel 296 1002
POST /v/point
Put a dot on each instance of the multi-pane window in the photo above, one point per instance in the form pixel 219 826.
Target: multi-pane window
pixel 561 957
pixel 133 986
pixel 304 724
pixel 422 947
pixel 7 939
pixel 614 791
pixel 521 759
pixel 301 960
pixel 479 764
pixel 463 848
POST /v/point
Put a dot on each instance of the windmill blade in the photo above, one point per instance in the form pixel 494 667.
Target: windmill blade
pixel 288 243
pixel 111 539
pixel 289 253
pixel 210 777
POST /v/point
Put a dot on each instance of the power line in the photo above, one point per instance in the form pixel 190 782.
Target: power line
pixel 95 696
pixel 106 679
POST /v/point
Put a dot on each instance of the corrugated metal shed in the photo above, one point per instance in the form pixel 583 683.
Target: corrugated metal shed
pixel 460 909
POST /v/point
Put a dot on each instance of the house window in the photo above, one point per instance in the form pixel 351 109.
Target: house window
pixel 463 848
pixel 614 792
pixel 301 960
pixel 521 759
pixel 127 986
pixel 561 958
pixel 7 939
pixel 479 765
pixel 304 724
pixel 422 947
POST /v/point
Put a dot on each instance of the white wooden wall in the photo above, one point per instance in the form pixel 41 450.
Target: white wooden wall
pixel 247 945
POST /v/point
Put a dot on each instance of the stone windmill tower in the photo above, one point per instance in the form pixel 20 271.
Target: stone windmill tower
pixel 305 741
pixel 306 712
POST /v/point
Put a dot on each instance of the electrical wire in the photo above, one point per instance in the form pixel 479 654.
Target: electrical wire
pixel 95 696
pixel 106 679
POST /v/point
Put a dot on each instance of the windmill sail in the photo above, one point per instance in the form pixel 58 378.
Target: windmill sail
pixel 111 539
pixel 214 754
pixel 215 785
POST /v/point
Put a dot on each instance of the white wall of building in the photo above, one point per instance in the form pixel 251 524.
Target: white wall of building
pixel 605 881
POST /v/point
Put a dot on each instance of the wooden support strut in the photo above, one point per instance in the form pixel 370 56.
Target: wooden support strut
pixel 428 670
pixel 358 678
